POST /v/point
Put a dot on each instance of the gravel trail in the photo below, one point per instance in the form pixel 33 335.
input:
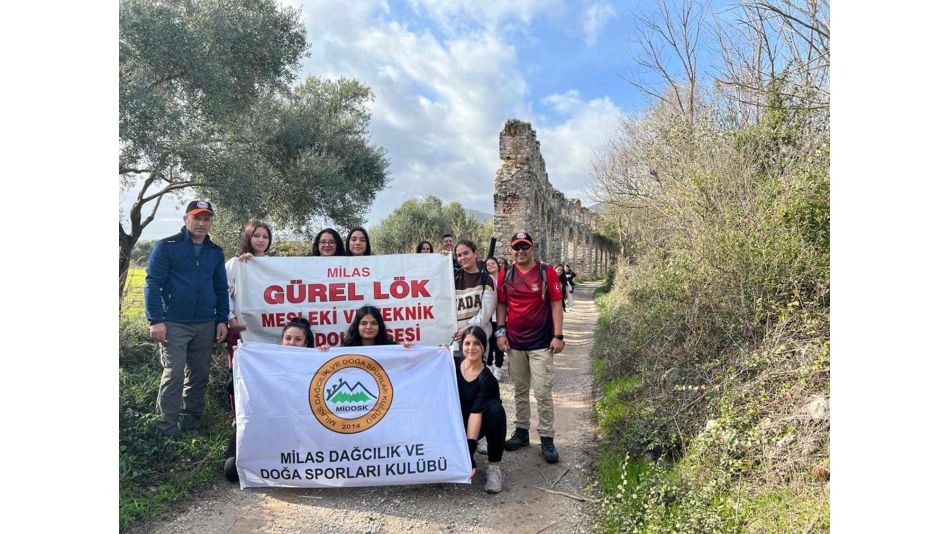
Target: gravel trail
pixel 521 508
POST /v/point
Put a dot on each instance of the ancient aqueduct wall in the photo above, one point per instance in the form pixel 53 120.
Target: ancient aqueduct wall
pixel 525 200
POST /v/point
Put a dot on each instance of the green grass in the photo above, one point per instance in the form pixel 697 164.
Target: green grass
pixel 705 478
pixel 155 471
pixel 639 495
pixel 133 304
pixel 784 509
pixel 612 464
pixel 612 408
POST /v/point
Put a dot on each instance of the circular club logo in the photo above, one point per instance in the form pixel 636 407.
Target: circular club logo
pixel 350 394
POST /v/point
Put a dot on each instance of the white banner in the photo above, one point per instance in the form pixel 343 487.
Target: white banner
pixel 348 417
pixel 414 292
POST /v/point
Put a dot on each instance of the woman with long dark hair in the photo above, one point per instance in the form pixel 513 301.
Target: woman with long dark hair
pixel 424 247
pixel 255 242
pixel 480 400
pixel 357 242
pixel 328 243
pixel 368 329
pixel 474 291
pixel 562 278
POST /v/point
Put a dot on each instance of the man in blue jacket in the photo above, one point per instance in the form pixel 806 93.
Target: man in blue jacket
pixel 186 304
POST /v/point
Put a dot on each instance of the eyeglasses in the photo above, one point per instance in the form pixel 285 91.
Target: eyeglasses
pixel 520 246
pixel 327 243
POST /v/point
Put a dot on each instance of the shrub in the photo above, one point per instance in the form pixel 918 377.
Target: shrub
pixel 712 350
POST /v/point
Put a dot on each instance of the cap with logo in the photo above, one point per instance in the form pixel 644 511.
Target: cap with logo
pixel 197 206
pixel 521 237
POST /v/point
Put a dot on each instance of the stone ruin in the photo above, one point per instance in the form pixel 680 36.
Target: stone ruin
pixel 525 200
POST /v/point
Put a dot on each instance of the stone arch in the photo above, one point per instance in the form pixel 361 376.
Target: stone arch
pixel 525 200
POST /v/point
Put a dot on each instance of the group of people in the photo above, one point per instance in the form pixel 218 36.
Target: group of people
pixel 515 309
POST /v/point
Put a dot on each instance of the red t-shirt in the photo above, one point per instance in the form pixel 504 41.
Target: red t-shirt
pixel 530 323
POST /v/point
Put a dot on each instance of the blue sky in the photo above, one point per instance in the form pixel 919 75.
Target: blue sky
pixel 447 74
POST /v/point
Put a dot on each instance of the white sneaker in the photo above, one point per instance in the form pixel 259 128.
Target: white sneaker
pixel 494 479
pixel 496 372
pixel 482 447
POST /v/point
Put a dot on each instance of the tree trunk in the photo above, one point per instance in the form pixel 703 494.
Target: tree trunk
pixel 126 242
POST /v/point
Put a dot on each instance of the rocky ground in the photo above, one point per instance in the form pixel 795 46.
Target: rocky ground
pixel 537 496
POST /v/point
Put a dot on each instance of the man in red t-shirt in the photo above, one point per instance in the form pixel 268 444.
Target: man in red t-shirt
pixel 530 321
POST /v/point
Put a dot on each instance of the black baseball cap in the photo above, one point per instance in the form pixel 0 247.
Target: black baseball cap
pixel 521 237
pixel 197 206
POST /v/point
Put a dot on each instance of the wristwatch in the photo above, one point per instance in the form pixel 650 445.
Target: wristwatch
pixel 559 336
pixel 501 331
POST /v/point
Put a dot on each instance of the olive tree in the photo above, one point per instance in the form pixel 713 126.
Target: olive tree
pixel 427 219
pixel 208 106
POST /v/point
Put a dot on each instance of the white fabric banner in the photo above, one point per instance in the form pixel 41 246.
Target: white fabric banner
pixel 414 292
pixel 367 416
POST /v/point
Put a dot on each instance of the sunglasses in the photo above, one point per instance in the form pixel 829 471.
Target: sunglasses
pixel 520 246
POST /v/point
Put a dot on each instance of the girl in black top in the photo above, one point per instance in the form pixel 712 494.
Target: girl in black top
pixel 480 401
pixel 357 242
pixel 368 329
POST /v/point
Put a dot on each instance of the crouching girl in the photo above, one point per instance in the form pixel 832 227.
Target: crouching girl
pixel 480 400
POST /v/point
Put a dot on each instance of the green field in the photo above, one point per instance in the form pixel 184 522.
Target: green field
pixel 133 301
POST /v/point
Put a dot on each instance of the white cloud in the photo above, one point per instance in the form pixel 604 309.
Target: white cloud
pixel 564 102
pixel 595 20
pixel 441 101
pixel 454 15
pixel 568 148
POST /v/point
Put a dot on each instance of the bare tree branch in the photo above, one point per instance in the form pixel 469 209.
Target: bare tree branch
pixel 823 31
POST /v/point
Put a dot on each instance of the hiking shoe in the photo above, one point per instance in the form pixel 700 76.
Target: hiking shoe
pixel 494 479
pixel 549 451
pixel 518 439
pixel 230 470
pixel 482 446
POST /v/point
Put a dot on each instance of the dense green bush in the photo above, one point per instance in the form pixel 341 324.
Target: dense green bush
pixel 713 352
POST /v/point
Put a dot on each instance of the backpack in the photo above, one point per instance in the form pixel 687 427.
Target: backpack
pixel 544 278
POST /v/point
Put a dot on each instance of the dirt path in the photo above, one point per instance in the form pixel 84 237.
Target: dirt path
pixel 520 508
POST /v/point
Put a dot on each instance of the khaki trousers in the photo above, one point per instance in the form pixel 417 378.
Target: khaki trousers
pixel 533 369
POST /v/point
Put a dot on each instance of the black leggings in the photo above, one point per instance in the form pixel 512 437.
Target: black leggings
pixel 494 428
pixel 495 356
